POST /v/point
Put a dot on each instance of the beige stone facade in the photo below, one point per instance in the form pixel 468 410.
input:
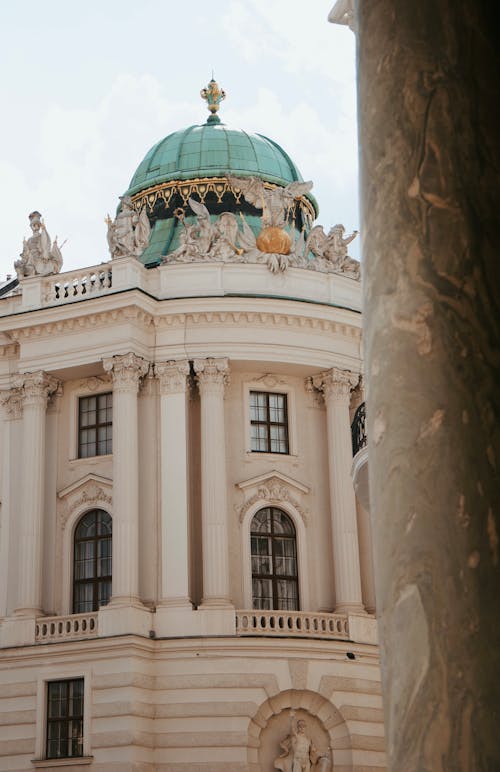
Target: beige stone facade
pixel 179 671
pixel 184 665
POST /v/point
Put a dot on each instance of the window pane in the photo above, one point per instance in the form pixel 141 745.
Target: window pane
pixel 65 719
pixel 262 594
pixel 269 429
pixel 261 522
pixel 274 560
pixel 92 563
pixel 95 425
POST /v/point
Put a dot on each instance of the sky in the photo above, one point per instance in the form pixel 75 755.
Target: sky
pixel 88 88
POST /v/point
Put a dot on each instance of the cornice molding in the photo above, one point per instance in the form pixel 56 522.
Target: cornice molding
pixel 83 322
pixel 177 319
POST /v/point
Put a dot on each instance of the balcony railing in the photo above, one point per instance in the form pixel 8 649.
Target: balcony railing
pixel 78 284
pixel 68 628
pixel 292 624
pixel 358 429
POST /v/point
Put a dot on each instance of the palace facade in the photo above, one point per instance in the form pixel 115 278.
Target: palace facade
pixel 185 569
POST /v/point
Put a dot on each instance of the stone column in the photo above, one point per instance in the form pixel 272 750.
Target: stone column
pixel 336 386
pixel 430 158
pixel 212 375
pixel 35 391
pixel 126 371
pixel 174 582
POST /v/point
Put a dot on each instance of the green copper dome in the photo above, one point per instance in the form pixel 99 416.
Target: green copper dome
pixel 196 164
pixel 212 150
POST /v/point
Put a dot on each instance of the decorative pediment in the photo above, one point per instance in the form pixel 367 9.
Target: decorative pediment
pixel 90 491
pixel 273 488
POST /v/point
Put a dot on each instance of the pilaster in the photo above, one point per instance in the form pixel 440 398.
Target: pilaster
pixel 336 386
pixel 126 371
pixel 174 575
pixel 32 390
pixel 212 377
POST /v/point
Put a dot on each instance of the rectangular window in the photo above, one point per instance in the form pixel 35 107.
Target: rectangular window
pixel 268 422
pixel 64 719
pixel 95 425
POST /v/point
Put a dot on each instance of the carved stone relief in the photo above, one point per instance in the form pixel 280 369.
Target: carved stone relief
pixel 88 494
pixel 273 491
pixel 230 239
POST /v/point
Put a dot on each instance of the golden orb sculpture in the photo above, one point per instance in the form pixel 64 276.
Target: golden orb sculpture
pixel 274 241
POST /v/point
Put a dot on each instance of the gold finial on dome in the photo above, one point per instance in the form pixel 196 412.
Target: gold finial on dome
pixel 214 95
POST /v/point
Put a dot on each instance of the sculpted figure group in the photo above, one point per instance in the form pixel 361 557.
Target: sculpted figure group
pixel 228 238
pixel 40 256
pixel 298 752
pixel 128 234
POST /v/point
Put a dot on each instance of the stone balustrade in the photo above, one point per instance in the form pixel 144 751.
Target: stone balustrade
pixel 77 285
pixel 292 624
pixel 66 628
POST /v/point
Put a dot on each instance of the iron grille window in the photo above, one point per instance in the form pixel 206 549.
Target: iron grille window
pixel 274 561
pixel 95 425
pixel 268 422
pixel 92 563
pixel 64 719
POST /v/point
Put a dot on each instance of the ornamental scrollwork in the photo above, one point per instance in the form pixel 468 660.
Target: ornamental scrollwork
pixel 213 371
pixel 336 384
pixel 272 492
pixel 91 497
pixel 126 371
pixel 172 376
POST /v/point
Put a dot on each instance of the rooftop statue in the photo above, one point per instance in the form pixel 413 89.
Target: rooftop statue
pixel 230 239
pixel 274 202
pixel 332 248
pixel 298 752
pixel 40 256
pixel 128 234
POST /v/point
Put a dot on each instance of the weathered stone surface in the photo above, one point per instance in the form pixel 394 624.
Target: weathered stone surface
pixel 428 86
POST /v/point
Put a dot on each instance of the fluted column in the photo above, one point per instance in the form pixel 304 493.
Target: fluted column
pixel 336 386
pixel 35 389
pixel 126 371
pixel 174 589
pixel 212 376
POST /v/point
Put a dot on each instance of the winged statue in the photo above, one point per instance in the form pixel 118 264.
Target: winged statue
pixel 274 202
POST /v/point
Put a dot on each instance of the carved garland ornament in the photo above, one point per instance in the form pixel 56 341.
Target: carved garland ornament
pixel 274 493
pixel 93 496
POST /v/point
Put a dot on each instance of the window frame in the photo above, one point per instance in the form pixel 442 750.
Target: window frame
pixel 61 672
pixel 65 720
pixel 257 384
pixel 269 424
pixel 301 536
pixel 275 577
pixel 96 580
pixel 97 425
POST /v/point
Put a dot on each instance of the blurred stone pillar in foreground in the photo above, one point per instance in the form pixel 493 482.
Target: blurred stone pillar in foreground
pixel 428 76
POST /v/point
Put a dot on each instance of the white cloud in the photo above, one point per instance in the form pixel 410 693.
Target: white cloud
pixel 289 82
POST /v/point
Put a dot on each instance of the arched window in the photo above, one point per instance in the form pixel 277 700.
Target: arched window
pixel 274 561
pixel 92 562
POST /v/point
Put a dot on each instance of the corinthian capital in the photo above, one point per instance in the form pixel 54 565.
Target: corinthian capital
pixel 212 372
pixel 36 388
pixel 172 376
pixel 126 371
pixel 336 384
pixel 12 402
